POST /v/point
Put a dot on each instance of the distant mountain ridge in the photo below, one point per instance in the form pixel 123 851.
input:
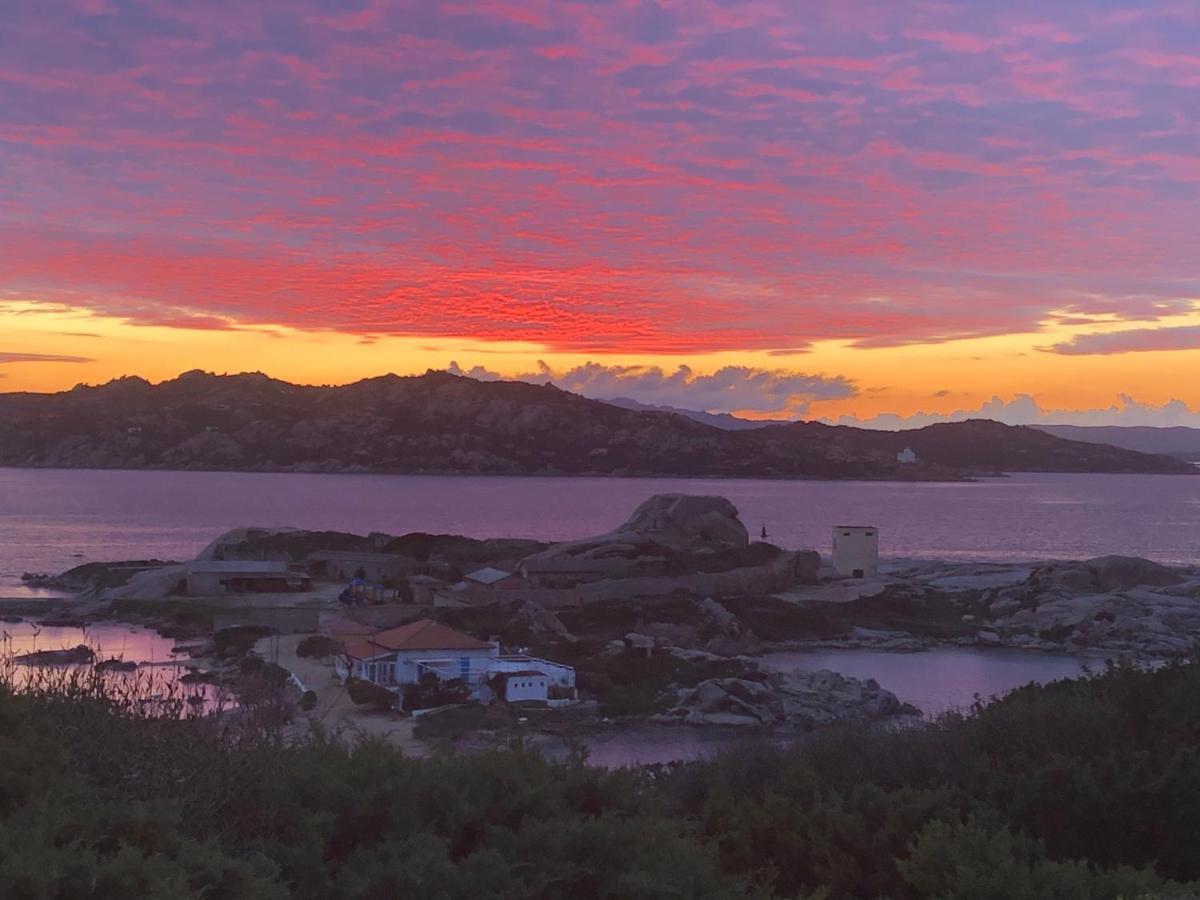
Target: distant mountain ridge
pixel 444 423
pixel 1178 441
pixel 724 421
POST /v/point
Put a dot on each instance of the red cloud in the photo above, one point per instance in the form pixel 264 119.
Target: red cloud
pixel 602 176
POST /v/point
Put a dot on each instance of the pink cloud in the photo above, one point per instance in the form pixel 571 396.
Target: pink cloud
pixel 604 176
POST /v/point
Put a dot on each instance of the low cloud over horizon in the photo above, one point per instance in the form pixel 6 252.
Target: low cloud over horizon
pixel 781 394
pixel 1024 409
pixel 7 357
pixel 728 389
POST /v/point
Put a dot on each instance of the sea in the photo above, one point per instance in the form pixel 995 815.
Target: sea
pixel 51 520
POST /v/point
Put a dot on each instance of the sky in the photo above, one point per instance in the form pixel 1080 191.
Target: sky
pixel 879 212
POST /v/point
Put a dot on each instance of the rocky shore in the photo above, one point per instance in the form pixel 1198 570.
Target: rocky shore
pixel 662 618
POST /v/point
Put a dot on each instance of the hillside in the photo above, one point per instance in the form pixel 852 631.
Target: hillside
pixel 724 421
pixel 442 423
pixel 1179 441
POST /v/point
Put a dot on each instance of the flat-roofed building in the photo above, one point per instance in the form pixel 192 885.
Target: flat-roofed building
pixel 856 550
pixel 216 577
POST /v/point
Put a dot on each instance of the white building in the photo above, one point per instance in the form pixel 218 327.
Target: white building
pixel 526 685
pixel 907 456
pixel 401 656
pixel 856 550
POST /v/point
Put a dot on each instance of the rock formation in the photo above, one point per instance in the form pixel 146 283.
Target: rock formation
pixel 665 525
pixel 797 701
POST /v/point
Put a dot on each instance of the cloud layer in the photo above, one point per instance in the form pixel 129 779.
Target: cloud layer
pixel 1025 410
pixel 652 177
pixel 15 357
pixel 729 389
pixel 1131 340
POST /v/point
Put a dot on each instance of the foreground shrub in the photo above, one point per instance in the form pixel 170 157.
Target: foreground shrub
pixel 1075 790
pixel 318 646
pixel 365 693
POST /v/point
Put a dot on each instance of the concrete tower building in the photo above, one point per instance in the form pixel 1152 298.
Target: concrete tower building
pixel 856 550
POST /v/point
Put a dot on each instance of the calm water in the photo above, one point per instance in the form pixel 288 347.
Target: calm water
pixel 934 682
pixel 158 674
pixel 940 680
pixel 53 519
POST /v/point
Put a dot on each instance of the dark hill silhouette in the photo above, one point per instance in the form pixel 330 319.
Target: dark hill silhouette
pixel 443 423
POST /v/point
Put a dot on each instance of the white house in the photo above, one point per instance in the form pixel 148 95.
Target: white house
pixel 907 456
pixel 856 550
pixel 401 656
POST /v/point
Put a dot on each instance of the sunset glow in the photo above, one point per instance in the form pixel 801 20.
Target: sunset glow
pixel 856 209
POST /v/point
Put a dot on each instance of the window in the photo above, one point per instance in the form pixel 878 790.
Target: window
pixel 870 534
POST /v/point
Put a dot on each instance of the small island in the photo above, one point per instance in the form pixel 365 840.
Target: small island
pixel 666 622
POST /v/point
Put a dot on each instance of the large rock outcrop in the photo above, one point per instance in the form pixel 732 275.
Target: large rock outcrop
pixel 673 543
pixel 1112 603
pixel 664 525
pixel 797 701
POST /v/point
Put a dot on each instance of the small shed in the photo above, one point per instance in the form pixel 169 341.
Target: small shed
pixel 526 685
pixel 856 550
pixel 424 587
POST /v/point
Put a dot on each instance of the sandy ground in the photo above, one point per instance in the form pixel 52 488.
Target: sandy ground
pixel 334 712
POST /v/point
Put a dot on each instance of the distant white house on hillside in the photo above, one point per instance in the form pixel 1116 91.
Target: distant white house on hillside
pixel 907 456
pixel 856 550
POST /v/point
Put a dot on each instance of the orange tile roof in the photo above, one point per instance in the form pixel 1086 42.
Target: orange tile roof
pixel 364 649
pixel 424 634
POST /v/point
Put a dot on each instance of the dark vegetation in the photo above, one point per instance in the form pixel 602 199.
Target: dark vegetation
pixel 439 422
pixel 431 691
pixel 239 640
pixel 916 610
pixel 1086 789
pixel 634 684
pixel 366 693
pixel 317 646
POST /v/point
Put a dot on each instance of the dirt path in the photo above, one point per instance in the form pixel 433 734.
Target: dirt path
pixel 334 712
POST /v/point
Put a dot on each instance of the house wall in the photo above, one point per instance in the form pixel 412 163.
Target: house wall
pixel 408 671
pixel 855 551
pixel 200 584
pixel 526 687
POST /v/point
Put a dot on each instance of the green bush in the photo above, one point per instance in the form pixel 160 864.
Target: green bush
pixel 1079 789
pixel 365 693
pixel 317 646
